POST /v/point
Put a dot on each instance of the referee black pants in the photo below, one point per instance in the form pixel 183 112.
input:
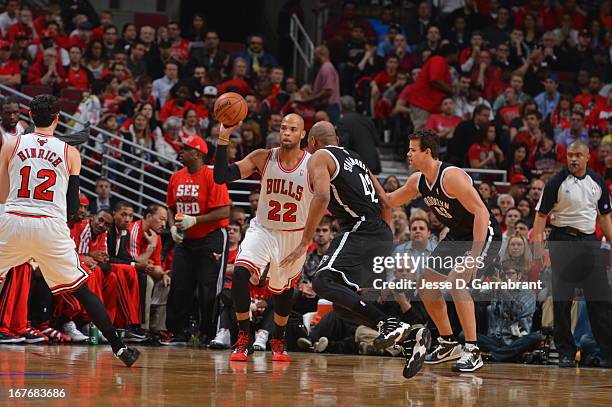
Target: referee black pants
pixel 579 262
pixel 198 264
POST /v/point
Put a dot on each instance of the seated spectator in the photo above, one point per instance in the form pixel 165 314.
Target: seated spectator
pixel 532 133
pixel 527 212
pixel 390 184
pixel 485 153
pixel 179 46
pixel 517 254
pixel 384 106
pixel 519 161
pixel 511 216
pixel 307 111
pixel 139 133
pixel 504 202
pixel 487 192
pixel 135 62
pixel 488 76
pixel 169 145
pixel 466 134
pixel 548 100
pixel 250 134
pixel 255 55
pixel 25 25
pixel 10 74
pixel 591 99
pixel 401 230
pixel 191 125
pixel 210 55
pixel 431 44
pixel 600 115
pixel 82 36
pixel 110 42
pixel 575 132
pixel 238 79
pixel 559 118
pixel 129 35
pixel 152 55
pixel 444 123
pixel 10 15
pixel 94 59
pixel 179 104
pixel 337 30
pixel 78 77
pixel 385 45
pixel 408 59
pixel 48 71
pixel 510 319
pixel 103 199
pixel 470 57
pixel 162 86
pixel 511 109
pixel 547 156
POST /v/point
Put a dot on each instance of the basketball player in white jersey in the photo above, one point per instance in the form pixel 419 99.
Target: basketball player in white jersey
pixel 11 126
pixel 277 228
pixel 39 185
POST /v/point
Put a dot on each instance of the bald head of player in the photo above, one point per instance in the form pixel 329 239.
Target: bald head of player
pixel 578 158
pixel 292 131
pixel 322 134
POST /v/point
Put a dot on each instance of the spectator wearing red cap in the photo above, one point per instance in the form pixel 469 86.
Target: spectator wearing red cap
pixel 25 24
pixel 10 73
pixel 201 238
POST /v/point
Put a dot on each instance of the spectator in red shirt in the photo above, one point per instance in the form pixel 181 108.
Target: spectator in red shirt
pixel 178 105
pixel 78 77
pixel 533 133
pixel 10 74
pixel 106 18
pixel 337 31
pixel 383 79
pixel 204 207
pixel 518 165
pixel 407 60
pixel 25 24
pixel 470 57
pixel 488 76
pixel 425 95
pixel 511 110
pixel 238 80
pixel 179 46
pixel 444 123
pixel 601 114
pixel 82 37
pixel 592 99
pixel 47 71
pixel 485 154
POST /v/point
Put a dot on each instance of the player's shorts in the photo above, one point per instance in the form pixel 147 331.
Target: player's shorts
pixel 449 253
pixel 46 240
pixel 262 247
pixel 355 249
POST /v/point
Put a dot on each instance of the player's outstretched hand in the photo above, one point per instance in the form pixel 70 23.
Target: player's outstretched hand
pixel 226 132
pixel 293 256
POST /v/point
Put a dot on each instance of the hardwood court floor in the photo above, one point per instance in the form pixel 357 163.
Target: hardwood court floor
pixel 91 376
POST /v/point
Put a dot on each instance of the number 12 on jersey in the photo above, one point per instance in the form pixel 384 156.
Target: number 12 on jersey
pixel 368 187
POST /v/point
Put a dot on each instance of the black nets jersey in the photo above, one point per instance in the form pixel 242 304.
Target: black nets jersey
pixel 448 209
pixel 353 196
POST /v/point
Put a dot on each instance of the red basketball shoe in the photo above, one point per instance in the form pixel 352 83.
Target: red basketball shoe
pixel 242 348
pixel 279 354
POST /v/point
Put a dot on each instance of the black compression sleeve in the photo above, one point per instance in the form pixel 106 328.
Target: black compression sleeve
pixel 222 172
pixel 72 196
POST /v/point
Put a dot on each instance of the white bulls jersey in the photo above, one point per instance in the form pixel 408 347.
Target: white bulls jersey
pixel 39 175
pixel 20 129
pixel 285 194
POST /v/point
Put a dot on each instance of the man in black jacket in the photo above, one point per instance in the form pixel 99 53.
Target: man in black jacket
pixel 358 133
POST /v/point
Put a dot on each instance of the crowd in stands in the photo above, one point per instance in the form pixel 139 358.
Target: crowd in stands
pixel 505 85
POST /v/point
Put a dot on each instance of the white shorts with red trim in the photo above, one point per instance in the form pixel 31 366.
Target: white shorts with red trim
pixel 262 247
pixel 46 240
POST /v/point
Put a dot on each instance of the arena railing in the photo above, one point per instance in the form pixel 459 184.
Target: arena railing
pixel 302 47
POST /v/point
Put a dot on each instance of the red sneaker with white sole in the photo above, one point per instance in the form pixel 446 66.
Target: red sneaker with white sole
pixel 279 354
pixel 242 348
pixel 32 335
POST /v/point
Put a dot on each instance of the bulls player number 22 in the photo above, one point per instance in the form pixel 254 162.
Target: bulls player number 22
pixel 41 191
pixel 289 214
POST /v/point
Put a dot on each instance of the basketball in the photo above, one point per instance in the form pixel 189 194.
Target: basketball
pixel 230 109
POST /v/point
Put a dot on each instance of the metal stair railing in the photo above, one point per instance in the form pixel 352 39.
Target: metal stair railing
pixel 303 48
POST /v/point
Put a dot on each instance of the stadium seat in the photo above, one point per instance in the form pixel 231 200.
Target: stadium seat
pixel 34 90
pixel 74 95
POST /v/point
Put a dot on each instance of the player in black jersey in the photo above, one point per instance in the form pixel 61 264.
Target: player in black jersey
pixel 343 184
pixel 472 243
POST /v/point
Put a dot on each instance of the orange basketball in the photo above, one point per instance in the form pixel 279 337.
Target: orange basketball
pixel 230 109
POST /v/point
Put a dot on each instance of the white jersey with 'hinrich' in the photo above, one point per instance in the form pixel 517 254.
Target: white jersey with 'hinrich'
pixel 285 194
pixel 39 173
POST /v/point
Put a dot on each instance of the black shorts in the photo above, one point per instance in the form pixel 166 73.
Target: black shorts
pixel 353 251
pixel 449 253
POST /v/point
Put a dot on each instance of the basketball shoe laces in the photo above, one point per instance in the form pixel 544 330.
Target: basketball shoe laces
pixel 242 343
pixel 387 326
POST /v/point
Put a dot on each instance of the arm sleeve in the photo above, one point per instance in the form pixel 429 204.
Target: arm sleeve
pixel 223 173
pixel 72 196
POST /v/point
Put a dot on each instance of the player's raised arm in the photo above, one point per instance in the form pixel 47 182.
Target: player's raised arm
pixel 320 167
pixel 406 192
pixel 224 173
pixel 5 155
pixel 459 185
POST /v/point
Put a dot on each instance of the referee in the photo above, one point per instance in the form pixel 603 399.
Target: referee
pixel 576 199
pixel 200 233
